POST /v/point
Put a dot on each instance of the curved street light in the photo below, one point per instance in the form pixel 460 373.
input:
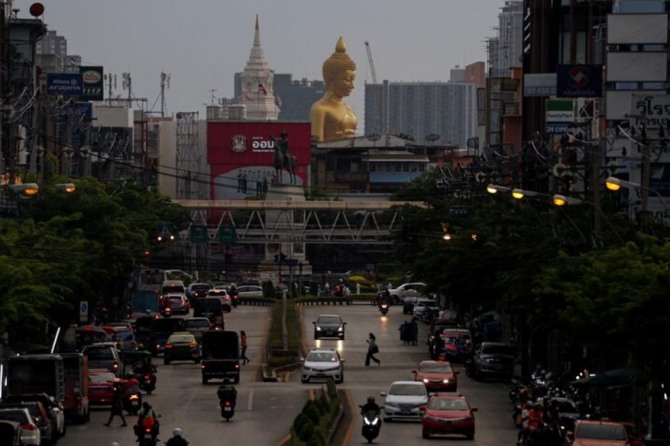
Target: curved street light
pixel 615 184
pixel 28 189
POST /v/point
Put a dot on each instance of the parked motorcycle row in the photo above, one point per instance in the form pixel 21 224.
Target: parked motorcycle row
pixel 556 409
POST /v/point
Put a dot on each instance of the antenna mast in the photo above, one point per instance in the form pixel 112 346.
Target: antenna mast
pixel 165 81
pixel 128 85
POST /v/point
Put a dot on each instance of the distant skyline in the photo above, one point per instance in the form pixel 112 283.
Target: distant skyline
pixel 201 44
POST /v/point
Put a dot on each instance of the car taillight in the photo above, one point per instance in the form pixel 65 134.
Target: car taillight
pixel 202 366
pixel 115 366
pixel 168 345
pixel 237 366
pixel 28 427
pixel 192 345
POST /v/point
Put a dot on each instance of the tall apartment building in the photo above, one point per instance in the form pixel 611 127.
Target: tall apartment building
pixel 420 109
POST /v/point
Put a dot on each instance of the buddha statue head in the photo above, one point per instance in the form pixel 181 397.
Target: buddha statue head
pixel 330 116
pixel 338 64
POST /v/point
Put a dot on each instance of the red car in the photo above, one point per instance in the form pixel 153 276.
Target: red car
pixel 101 386
pixel 448 415
pixel 437 376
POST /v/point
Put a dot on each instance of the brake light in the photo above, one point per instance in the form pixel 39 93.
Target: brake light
pixel 227 403
pixel 28 427
pixel 147 377
pixel 237 366
pixel 192 345
pixel 168 345
pixel 115 366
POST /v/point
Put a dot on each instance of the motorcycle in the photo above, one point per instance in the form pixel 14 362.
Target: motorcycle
pixel 234 299
pixel 227 398
pixel 132 402
pixel 147 431
pixel 148 382
pixel 384 308
pixel 372 423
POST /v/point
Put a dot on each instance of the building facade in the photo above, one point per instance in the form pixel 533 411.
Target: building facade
pixel 424 110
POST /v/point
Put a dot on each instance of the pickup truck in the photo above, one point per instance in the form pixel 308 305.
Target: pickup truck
pixel 220 358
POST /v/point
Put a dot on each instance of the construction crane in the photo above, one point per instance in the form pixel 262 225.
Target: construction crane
pixel 372 64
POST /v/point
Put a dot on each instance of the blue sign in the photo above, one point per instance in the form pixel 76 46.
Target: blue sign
pixel 579 81
pixel 558 127
pixel 67 84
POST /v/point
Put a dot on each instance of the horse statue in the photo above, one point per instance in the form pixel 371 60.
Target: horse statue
pixel 283 159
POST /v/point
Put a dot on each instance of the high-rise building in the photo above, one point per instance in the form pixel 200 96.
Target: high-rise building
pixel 422 110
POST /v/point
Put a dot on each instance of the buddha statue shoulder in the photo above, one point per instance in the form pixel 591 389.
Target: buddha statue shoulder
pixel 330 117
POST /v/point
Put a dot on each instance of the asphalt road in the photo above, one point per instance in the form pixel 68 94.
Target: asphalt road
pixel 493 419
pixel 265 410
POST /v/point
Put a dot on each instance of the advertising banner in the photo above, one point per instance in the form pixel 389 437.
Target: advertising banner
pixel 248 157
pixel 93 83
pixel 585 81
pixel 67 84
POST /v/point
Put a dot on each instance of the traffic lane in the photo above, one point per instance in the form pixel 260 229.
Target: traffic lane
pixel 493 418
pixel 263 415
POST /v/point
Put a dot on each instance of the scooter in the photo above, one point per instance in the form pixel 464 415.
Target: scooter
pixel 372 423
pixel 132 402
pixel 384 308
pixel 148 382
pixel 227 399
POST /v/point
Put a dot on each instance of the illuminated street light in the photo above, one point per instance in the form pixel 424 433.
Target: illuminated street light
pixel 67 187
pixel 495 188
pixel 562 200
pixel 614 183
pixel 28 189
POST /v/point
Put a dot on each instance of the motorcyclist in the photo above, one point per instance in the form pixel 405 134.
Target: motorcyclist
pixel 131 384
pixel 227 392
pixel 371 405
pixel 177 439
pixel 384 298
pixel 145 367
pixel 146 416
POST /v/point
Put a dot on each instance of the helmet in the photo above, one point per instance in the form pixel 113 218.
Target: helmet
pixel 146 405
pixel 177 432
pixel 371 399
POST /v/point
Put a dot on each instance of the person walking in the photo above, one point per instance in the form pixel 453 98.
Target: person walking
pixel 117 405
pixel 372 349
pixel 243 345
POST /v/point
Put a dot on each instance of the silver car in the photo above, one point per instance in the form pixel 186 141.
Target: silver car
pixel 321 364
pixel 404 400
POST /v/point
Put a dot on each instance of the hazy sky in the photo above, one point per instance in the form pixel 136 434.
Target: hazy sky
pixel 201 44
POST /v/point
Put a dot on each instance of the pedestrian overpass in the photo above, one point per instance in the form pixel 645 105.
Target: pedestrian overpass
pixel 288 221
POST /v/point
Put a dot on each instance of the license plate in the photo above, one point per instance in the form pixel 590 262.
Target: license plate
pixel 227 409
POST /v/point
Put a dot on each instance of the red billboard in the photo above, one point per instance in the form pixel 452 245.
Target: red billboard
pixel 245 157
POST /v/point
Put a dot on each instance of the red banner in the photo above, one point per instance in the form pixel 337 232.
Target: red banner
pixel 243 157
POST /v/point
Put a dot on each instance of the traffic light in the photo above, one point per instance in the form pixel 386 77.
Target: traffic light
pixel 279 257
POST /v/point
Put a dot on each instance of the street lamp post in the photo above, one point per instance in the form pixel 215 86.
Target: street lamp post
pixel 615 184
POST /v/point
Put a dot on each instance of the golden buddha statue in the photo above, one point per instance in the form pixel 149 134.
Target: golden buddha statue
pixel 330 116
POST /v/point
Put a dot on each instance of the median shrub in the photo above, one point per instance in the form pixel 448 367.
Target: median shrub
pixel 319 414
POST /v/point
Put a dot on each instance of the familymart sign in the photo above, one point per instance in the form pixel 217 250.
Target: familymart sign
pixel 560 114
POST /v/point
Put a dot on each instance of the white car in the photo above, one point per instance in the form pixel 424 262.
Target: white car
pixel 404 400
pixel 321 364
pixel 250 291
pixel 410 289
pixel 30 434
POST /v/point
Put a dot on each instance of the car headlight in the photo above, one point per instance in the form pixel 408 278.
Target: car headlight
pixel 340 329
pixel 318 328
pixel 445 381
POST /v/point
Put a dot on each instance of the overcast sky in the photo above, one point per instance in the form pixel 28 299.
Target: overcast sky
pixel 201 44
